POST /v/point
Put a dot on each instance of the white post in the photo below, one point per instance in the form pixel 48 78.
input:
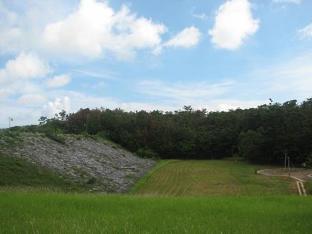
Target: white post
pixel 10 120
pixel 289 166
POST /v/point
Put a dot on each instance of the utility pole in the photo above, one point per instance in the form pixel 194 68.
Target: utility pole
pixel 285 159
pixel 10 120
pixel 288 166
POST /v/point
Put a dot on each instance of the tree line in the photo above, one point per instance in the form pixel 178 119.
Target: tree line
pixel 264 134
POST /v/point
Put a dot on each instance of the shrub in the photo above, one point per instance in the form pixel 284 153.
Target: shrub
pixel 55 137
pixel 146 153
pixel 308 161
pixel 9 137
pixel 103 134
pixel 92 180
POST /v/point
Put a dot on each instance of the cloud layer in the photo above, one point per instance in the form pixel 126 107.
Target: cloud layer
pixel 288 1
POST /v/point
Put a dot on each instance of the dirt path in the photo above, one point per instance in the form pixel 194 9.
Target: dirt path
pixel 298 174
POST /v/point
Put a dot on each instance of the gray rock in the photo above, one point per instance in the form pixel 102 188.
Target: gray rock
pixel 102 165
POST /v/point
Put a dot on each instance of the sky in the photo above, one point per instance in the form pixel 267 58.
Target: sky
pixel 219 55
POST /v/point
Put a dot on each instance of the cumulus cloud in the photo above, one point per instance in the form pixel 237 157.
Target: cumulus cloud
pixel 306 32
pixel 22 23
pixel 95 28
pixel 24 66
pixel 56 106
pixel 92 29
pixel 18 75
pixel 234 23
pixel 58 81
pixel 187 38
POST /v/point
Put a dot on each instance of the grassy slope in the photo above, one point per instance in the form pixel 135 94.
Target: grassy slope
pixel 20 173
pixel 212 178
pixel 81 213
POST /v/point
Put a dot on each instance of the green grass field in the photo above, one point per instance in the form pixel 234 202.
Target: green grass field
pixel 308 186
pixel 23 212
pixel 211 177
pixel 175 197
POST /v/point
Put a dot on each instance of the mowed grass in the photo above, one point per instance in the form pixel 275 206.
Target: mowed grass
pixel 211 177
pixel 183 209
pixel 24 212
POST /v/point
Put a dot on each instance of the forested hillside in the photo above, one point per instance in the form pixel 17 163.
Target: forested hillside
pixel 263 134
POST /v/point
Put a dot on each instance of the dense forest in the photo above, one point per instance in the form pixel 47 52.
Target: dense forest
pixel 264 134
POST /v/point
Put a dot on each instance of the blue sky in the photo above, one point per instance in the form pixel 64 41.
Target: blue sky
pixel 218 55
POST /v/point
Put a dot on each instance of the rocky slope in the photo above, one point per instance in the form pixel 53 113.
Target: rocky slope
pixel 101 165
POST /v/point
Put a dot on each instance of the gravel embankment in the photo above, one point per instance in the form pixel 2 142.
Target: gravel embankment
pixel 103 166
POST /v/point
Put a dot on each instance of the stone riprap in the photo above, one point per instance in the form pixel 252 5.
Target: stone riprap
pixel 101 165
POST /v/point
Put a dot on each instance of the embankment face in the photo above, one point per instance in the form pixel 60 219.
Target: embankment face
pixel 100 165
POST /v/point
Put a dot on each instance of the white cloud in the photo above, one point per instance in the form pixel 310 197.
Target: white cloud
pixel 18 75
pixel 190 92
pixel 24 66
pixel 289 79
pixel 106 75
pixel 80 100
pixel 292 78
pixel 234 23
pixel 22 22
pixel 288 1
pixel 31 99
pixel 92 29
pixel 187 38
pixel 22 115
pixel 95 28
pixel 201 16
pixel 306 32
pixel 58 81
pixel 213 97
pixel 9 32
pixel 232 104
pixel 15 88
pixel 56 106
